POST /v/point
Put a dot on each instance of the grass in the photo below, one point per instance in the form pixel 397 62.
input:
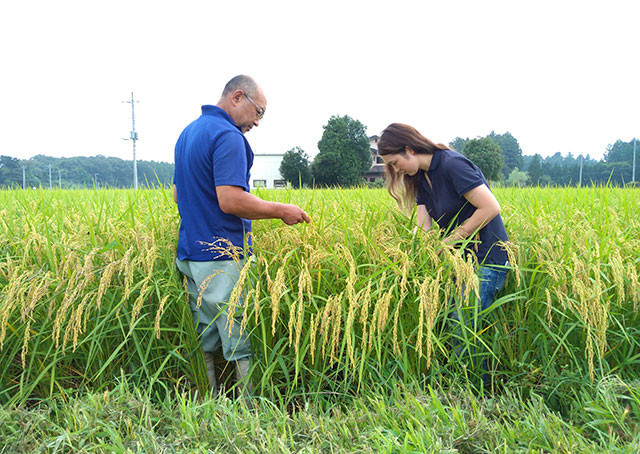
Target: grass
pixel 410 419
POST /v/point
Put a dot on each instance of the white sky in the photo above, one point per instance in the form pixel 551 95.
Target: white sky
pixel 559 75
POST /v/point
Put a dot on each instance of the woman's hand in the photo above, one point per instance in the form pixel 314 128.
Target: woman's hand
pixel 487 208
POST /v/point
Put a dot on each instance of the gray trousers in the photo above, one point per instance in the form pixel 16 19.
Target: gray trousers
pixel 210 318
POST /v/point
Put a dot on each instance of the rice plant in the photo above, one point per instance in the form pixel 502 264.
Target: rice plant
pixel 352 303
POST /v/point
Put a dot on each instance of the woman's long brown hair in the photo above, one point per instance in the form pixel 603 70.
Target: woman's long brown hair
pixel 394 140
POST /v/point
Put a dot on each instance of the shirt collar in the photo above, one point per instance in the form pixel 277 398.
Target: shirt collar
pixel 218 112
pixel 435 160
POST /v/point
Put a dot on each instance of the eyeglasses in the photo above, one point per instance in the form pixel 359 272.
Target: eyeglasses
pixel 259 109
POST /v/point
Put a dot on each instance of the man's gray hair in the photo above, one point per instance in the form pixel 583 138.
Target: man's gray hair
pixel 241 82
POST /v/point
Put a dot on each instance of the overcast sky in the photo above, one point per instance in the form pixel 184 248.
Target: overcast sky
pixel 561 76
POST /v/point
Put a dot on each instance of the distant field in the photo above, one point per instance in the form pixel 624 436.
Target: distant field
pixel 353 304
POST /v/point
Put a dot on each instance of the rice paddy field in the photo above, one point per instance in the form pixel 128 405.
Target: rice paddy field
pixel 350 320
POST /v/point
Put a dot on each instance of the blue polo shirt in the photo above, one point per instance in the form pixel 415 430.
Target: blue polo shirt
pixel 452 175
pixel 210 152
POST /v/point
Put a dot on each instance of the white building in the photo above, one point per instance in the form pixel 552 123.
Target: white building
pixel 376 172
pixel 265 172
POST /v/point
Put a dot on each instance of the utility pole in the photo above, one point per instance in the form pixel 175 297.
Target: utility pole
pixel 95 180
pixel 133 137
pixel 633 171
pixel 580 170
pixel 24 178
pixel 50 186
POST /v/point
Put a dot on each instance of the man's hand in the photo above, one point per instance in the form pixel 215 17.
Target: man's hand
pixel 234 200
pixel 292 214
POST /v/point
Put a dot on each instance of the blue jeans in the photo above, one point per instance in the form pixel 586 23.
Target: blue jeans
pixel 491 282
pixel 492 279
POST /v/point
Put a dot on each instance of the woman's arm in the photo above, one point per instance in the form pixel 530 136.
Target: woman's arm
pixel 422 218
pixel 487 208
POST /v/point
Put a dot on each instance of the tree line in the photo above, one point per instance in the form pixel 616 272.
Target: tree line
pixel 614 169
pixel 345 155
pixel 80 172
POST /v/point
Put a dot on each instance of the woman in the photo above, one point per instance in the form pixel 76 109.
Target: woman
pixel 450 189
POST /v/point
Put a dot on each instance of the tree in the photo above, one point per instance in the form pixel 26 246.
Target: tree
pixel 517 178
pixel 295 167
pixel 344 153
pixel 10 172
pixel 458 143
pixel 511 151
pixel 487 155
pixel 535 169
pixel 620 154
pixel 620 151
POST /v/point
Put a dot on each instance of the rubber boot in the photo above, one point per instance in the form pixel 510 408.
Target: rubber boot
pixel 211 371
pixel 243 367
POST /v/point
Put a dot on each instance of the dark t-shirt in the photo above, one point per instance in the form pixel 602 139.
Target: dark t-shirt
pixel 452 175
pixel 211 151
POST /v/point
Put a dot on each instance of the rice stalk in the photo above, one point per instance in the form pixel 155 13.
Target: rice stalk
pixel 236 294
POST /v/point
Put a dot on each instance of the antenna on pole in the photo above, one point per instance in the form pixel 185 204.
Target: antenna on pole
pixel 133 137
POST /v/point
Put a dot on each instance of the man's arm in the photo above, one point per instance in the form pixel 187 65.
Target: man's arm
pixel 235 200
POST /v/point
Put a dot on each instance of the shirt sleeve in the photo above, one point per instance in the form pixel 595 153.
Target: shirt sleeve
pixel 463 175
pixel 230 161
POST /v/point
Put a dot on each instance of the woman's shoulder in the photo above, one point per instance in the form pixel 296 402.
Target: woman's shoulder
pixel 451 159
pixel 452 154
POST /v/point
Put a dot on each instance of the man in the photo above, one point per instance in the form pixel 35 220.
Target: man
pixel 211 188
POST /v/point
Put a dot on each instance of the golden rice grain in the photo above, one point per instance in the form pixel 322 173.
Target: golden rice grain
pixel 422 309
pixel 277 290
pixel 315 318
pixel 236 294
pixel 25 343
pixel 336 324
pixel 364 315
pixel 159 313
pixel 203 287
pixel 105 281
pixel 549 306
pixel 256 301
